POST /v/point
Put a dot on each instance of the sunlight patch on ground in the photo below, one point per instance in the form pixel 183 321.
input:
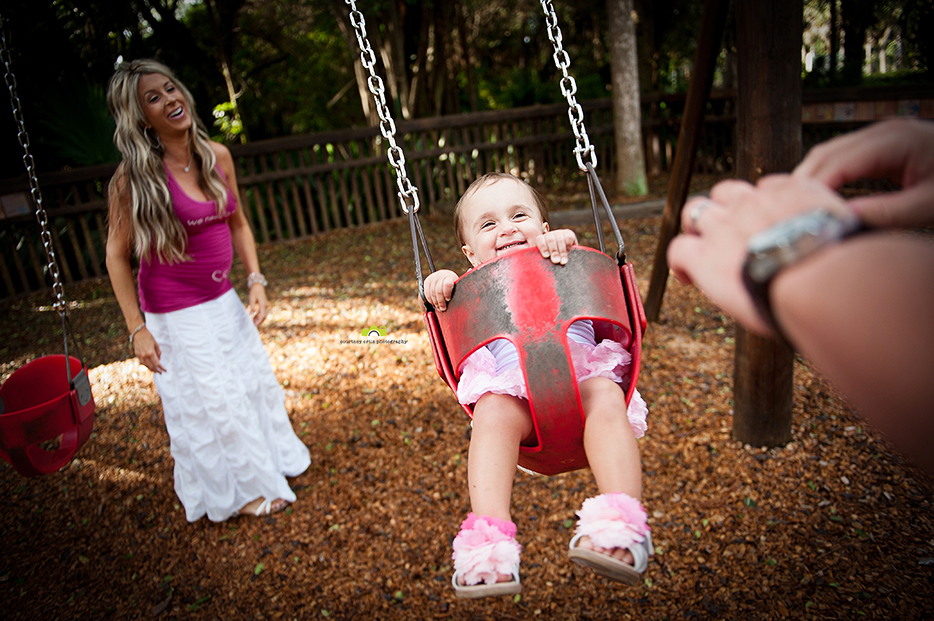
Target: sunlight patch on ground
pixel 114 474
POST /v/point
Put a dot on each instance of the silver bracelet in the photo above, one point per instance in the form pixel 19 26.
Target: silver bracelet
pixel 133 333
pixel 255 278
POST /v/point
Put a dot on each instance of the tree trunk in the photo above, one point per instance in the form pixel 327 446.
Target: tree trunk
pixel 392 51
pixel 340 11
pixel 627 113
pixel 648 50
pixel 857 17
pixel 468 64
pixel 439 70
pixel 224 53
pixel 418 87
pixel 834 43
pixel 768 135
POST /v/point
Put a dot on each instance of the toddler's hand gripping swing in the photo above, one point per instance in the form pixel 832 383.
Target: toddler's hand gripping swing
pixel 528 300
pixel 50 396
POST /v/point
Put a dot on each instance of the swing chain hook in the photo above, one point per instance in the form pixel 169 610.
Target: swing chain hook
pixel 41 215
pixel 408 194
pixel 568 89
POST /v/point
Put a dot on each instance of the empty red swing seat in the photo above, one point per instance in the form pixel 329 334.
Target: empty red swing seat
pixel 40 402
pixel 530 301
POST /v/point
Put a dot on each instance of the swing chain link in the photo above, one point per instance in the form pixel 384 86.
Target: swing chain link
pixel 408 194
pixel 41 215
pixel 568 89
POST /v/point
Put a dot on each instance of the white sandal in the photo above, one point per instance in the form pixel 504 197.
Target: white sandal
pixel 484 548
pixel 266 507
pixel 613 521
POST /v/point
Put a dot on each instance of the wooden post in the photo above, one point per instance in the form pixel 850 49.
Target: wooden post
pixel 705 61
pixel 768 138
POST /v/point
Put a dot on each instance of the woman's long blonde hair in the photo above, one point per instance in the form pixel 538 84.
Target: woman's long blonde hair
pixel 156 231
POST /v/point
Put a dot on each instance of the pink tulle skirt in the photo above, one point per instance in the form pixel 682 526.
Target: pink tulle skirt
pixel 606 359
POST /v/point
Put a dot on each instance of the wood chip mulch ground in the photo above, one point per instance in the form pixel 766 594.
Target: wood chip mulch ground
pixel 835 525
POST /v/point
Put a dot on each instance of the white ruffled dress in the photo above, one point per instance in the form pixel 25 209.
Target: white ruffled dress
pixel 495 368
pixel 231 438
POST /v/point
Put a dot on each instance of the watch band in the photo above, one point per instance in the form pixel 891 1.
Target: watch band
pixel 786 243
pixel 759 292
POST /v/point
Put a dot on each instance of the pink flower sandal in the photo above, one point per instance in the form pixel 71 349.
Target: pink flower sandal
pixel 613 521
pixel 484 548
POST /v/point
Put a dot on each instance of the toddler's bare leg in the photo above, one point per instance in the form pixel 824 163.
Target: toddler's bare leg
pixel 500 424
pixel 611 446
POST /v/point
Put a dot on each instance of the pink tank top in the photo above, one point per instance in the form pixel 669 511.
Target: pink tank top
pixel 165 288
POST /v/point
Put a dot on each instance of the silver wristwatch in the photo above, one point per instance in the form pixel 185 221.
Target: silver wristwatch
pixel 785 244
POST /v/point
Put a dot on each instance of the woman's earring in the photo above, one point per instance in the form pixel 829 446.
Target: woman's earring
pixel 154 142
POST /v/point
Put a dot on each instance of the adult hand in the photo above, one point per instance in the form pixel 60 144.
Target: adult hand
pixel 439 287
pixel 711 252
pixel 554 245
pixel 147 350
pixel 901 150
pixel 258 303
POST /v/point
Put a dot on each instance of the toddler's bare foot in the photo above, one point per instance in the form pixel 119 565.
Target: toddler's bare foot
pixel 499 578
pixel 620 554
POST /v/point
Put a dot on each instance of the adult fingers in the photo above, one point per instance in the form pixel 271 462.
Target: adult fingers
pixel 259 306
pixel 837 161
pixel 158 353
pixel 260 312
pixel 897 149
pixel 691 213
pixel 680 251
pixel 148 352
pixel 732 192
pixel 908 208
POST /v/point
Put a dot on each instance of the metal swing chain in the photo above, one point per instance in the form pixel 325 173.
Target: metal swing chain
pixel 584 146
pixel 568 89
pixel 407 192
pixel 41 215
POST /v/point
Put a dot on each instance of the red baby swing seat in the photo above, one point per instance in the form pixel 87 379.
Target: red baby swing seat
pixel 39 402
pixel 532 302
pixel 50 396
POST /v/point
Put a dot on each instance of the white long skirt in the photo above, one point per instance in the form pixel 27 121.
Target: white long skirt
pixel 224 410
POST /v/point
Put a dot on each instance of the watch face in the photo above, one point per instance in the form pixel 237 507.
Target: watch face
pixel 788 231
pixel 791 240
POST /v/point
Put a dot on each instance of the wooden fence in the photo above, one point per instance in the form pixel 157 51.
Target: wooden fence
pixel 301 186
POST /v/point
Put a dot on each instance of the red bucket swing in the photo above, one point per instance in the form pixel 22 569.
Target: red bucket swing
pixel 528 300
pixel 531 302
pixel 50 396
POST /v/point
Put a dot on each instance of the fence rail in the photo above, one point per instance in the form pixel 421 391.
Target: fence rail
pixel 301 186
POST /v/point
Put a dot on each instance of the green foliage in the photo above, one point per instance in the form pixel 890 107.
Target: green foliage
pixel 292 66
pixel 79 126
pixel 227 122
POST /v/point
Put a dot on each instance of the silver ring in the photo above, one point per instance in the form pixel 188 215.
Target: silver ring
pixel 698 210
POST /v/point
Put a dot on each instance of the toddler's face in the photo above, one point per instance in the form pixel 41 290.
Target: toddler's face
pixel 498 218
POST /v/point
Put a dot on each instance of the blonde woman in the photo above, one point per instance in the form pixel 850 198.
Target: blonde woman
pixel 174 204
